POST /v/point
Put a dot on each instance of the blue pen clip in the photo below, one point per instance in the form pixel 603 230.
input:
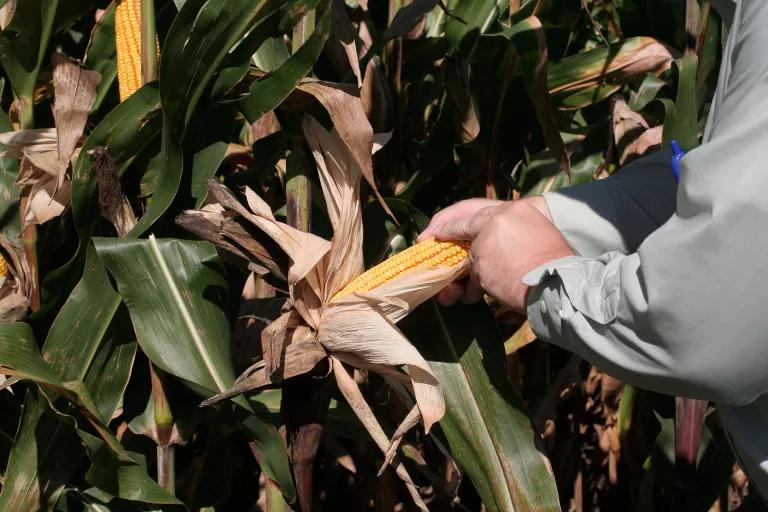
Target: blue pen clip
pixel 677 154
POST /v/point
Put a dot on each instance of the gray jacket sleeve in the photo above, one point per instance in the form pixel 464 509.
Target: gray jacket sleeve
pixel 618 213
pixel 686 313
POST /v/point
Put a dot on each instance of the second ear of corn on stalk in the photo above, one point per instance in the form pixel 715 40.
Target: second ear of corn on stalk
pixel 128 45
pixel 430 252
pixel 3 269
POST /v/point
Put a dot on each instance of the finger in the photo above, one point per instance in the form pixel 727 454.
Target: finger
pixel 460 229
pixel 461 210
pixel 473 292
pixel 450 294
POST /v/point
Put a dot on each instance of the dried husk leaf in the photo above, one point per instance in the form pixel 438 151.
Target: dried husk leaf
pixel 346 111
pixel 300 357
pixel 340 181
pixel 13 308
pixel 221 229
pixel 304 249
pixel 18 267
pixel 47 199
pixel 632 135
pixel 38 140
pixel 410 421
pixel 343 29
pixel 6 13
pixel 361 329
pixel 354 397
pixel 274 338
pixel 75 92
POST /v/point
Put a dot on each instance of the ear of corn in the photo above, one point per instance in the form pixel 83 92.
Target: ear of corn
pixel 430 252
pixel 3 267
pixel 128 43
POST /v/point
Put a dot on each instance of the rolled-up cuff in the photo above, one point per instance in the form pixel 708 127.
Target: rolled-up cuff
pixel 573 284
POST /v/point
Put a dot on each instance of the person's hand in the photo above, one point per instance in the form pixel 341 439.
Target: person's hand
pixel 508 240
pixel 462 210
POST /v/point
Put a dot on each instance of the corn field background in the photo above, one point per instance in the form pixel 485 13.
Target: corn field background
pixel 137 284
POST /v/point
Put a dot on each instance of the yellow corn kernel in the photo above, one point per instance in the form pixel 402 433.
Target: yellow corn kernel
pixel 3 267
pixel 430 253
pixel 128 43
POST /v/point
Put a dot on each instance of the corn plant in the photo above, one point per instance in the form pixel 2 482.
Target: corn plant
pixel 192 191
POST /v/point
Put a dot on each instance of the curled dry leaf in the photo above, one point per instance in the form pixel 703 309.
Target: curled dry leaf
pixel 342 28
pixel 618 64
pixel 357 328
pixel 46 154
pixel 113 203
pixel 632 135
pixel 16 285
pixel 6 14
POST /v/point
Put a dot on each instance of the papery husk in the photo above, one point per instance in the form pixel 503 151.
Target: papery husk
pixel 75 92
pixel 299 357
pixel 356 401
pixel 304 249
pixel 632 134
pixel 410 421
pixel 47 197
pixel 46 154
pixel 38 140
pixel 346 110
pixel 6 13
pixel 340 180
pixel 214 224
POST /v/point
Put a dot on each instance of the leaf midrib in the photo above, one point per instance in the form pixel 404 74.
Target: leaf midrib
pixel 188 322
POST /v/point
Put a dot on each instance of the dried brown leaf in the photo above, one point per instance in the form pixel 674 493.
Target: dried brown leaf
pixel 354 397
pixel 274 338
pixel 75 92
pixel 344 31
pixel 300 357
pixel 6 14
pixel 229 234
pixel 632 135
pixel 20 142
pixel 13 308
pixel 346 111
pixel 47 199
pixel 410 421
pixel 646 55
pixel 113 203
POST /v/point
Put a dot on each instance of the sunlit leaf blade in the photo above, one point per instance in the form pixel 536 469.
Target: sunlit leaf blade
pixel 681 121
pixel 268 92
pixel 44 440
pixel 199 39
pixel 486 424
pixel 175 291
pixel 472 16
